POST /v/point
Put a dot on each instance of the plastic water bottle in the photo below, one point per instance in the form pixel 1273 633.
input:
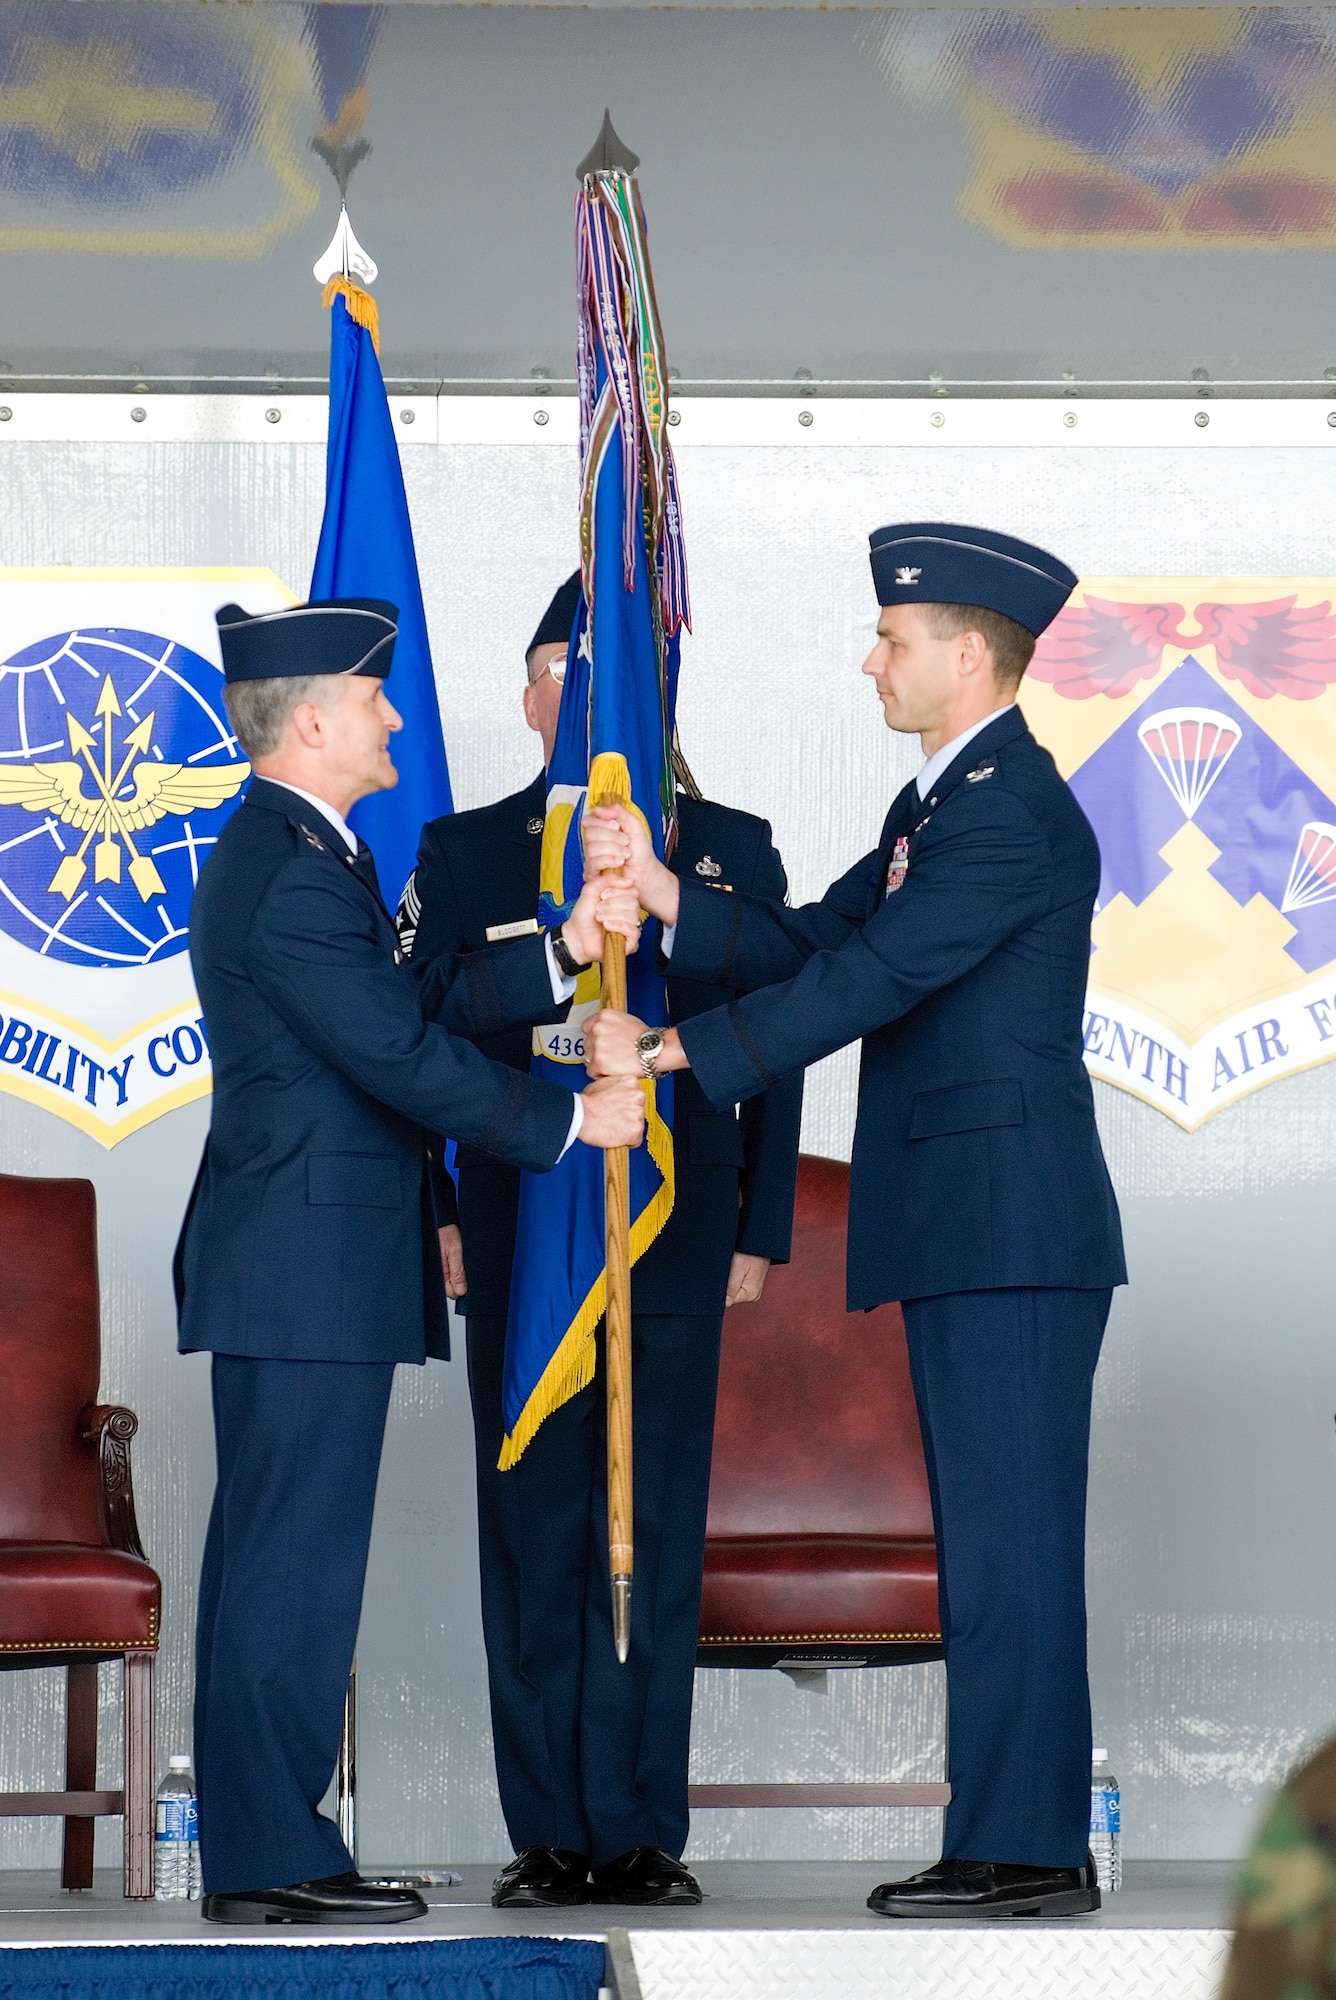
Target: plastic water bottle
pixel 1105 1824
pixel 176 1869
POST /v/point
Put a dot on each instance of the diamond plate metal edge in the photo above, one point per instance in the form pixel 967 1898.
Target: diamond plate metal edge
pixel 923 1964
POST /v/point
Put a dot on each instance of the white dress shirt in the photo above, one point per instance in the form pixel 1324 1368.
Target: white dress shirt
pixel 562 988
pixel 939 759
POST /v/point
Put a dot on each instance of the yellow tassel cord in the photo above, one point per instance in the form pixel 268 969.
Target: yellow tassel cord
pixel 361 306
pixel 572 1366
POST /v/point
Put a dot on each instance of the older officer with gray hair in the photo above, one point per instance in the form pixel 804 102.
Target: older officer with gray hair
pixel 309 1262
pixel 957 951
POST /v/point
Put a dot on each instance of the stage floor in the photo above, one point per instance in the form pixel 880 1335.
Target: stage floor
pixel 777 1930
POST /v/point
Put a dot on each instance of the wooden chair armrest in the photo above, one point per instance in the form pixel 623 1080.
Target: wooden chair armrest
pixel 109 1427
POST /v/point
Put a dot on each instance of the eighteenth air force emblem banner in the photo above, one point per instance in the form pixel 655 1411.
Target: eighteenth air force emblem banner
pixel 118 770
pixel 1195 720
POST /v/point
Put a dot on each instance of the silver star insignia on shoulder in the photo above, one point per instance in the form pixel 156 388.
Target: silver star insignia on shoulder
pixel 535 825
pixel 907 575
pixel 711 870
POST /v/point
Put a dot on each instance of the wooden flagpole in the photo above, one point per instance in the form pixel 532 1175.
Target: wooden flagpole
pixel 617 1189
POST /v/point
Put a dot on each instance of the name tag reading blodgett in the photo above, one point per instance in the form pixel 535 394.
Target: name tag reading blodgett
pixel 525 927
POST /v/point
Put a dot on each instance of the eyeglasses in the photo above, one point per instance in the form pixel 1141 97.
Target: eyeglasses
pixel 556 667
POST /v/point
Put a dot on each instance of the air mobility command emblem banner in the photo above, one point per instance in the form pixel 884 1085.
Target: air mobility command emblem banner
pixel 1195 719
pixel 118 770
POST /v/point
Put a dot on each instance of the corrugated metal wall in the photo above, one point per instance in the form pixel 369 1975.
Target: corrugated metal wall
pixel 1212 1557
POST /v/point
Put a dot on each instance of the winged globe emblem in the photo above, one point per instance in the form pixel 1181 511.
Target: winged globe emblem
pixel 125 801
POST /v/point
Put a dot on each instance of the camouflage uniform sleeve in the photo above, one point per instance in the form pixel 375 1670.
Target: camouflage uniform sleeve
pixel 1285 1940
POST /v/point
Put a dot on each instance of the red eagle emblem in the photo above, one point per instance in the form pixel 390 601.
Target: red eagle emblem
pixel 1103 647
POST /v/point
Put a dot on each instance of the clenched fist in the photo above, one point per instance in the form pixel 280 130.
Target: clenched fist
pixel 614 1112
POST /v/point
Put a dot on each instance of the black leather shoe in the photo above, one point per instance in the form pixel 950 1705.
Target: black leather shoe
pixel 542 1878
pixel 645 1875
pixel 334 1899
pixel 989 1889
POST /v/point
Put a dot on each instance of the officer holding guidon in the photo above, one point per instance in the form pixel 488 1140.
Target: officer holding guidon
pixel 309 1262
pixel 957 951
pixel 591 1755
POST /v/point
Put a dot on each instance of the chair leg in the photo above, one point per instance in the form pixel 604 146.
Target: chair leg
pixel 80 1771
pixel 140 1766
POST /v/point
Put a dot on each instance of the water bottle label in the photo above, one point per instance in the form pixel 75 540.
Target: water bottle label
pixel 192 1818
pixel 1105 1811
pixel 173 1819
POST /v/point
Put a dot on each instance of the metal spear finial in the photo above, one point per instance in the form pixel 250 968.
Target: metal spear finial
pixel 607 152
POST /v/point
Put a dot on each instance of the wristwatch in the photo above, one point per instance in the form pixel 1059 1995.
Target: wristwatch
pixel 568 967
pixel 649 1047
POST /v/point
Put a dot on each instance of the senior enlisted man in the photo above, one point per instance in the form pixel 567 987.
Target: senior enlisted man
pixel 591 1756
pixel 957 950
pixel 309 1262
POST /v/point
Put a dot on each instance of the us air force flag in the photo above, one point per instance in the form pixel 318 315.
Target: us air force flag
pixel 613 739
pixel 366 550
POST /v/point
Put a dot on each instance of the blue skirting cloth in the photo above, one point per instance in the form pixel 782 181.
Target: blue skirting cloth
pixel 432 1969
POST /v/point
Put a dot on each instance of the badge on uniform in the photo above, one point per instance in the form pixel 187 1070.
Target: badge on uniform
pixel 899 864
pixel 709 869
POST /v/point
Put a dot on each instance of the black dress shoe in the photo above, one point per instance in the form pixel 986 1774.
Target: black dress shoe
pixel 542 1878
pixel 333 1899
pixel 989 1889
pixel 645 1875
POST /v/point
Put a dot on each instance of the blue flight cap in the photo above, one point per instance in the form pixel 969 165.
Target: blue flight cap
pixel 940 562
pixel 342 635
pixel 558 621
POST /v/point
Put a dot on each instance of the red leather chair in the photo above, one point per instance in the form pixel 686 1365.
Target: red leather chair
pixel 819 1548
pixel 75 1587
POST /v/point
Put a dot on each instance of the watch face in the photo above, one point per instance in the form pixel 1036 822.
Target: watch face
pixel 650 1042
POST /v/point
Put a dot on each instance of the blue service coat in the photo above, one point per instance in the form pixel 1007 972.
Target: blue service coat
pixel 311 1232
pixel 976 1162
pixel 735 1176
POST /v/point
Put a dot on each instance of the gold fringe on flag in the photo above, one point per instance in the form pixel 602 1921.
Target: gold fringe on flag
pixel 361 306
pixel 572 1366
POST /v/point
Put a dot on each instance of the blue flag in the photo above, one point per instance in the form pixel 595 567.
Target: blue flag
pixel 614 737
pixel 366 550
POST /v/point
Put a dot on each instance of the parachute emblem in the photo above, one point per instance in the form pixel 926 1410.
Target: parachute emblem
pixel 108 816
pixel 1313 870
pixel 1189 747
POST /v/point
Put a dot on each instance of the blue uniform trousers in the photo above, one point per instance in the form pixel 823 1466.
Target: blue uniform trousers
pixel 590 1755
pixel 298 1445
pixel 1003 1383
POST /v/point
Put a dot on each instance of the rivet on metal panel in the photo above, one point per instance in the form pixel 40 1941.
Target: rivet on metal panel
pixel 674 416
pixel 938 418
pixel 407 416
pixel 273 416
pixel 138 414
pixel 5 413
pixel 805 419
pixel 540 416
pixel 1069 418
pixel 1201 420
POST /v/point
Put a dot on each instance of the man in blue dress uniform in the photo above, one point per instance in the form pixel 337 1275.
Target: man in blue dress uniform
pixel 957 951
pixel 309 1262
pixel 591 1756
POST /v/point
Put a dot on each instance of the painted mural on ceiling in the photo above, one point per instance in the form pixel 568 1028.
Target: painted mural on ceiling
pixel 1134 129
pixel 160 132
